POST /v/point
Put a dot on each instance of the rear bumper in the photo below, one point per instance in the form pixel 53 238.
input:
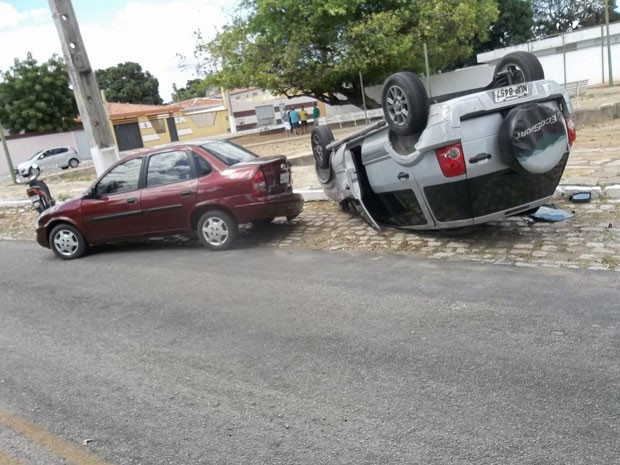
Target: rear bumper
pixel 288 205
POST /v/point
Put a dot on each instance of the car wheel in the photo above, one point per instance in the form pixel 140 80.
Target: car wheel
pixel 533 138
pixel 217 230
pixel 32 171
pixel 67 242
pixel 405 103
pixel 523 67
pixel 320 138
pixel 74 162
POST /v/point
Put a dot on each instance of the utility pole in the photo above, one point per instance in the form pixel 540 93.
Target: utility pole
pixel 7 155
pixel 94 117
pixel 609 65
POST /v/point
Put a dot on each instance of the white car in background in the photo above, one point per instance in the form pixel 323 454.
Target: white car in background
pixel 58 157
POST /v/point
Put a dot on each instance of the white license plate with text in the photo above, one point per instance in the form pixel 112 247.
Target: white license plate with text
pixel 511 92
pixel 285 177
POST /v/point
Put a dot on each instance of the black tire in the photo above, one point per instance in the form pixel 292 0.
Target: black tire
pixel 533 138
pixel 524 67
pixel 320 138
pixel 32 171
pixel 217 230
pixel 405 103
pixel 74 162
pixel 67 242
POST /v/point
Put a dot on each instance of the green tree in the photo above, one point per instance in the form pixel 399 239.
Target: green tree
pixel 319 47
pixel 557 16
pixel 514 24
pixel 37 97
pixel 128 83
pixel 194 88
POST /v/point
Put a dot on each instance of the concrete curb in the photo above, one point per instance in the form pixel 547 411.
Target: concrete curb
pixel 14 203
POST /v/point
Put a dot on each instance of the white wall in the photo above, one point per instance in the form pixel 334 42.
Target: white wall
pixel 573 56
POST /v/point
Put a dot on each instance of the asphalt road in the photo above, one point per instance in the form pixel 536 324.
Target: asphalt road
pixel 176 355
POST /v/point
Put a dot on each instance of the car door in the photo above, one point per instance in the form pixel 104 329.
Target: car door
pixel 358 190
pixel 112 210
pixel 169 194
pixel 45 159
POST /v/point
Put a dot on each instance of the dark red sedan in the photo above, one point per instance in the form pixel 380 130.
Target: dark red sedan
pixel 205 188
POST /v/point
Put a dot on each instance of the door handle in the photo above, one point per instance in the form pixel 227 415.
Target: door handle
pixel 480 157
pixel 402 176
pixel 185 193
pixel 132 200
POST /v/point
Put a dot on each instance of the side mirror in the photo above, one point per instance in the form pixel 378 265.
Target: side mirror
pixel 91 193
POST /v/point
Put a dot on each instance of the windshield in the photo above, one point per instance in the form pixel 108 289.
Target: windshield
pixel 36 155
pixel 228 153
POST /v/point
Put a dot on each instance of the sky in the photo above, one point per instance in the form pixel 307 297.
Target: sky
pixel 150 33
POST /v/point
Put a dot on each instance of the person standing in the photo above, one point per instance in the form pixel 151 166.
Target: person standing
pixel 316 112
pixel 294 120
pixel 286 121
pixel 303 119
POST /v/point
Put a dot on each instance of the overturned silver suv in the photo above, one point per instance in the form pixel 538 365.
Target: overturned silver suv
pixel 458 160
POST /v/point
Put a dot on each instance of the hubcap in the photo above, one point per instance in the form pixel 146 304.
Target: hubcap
pixel 397 105
pixel 66 242
pixel 215 231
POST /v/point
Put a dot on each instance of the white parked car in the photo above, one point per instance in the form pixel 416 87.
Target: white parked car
pixel 58 157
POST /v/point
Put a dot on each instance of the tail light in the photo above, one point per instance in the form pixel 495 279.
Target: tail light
pixel 259 184
pixel 572 131
pixel 33 191
pixel 451 160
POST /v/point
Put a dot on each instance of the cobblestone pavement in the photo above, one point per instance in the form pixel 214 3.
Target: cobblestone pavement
pixel 591 239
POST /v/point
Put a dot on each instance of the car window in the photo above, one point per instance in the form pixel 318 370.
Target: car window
pixel 228 153
pixel 123 178
pixel 35 156
pixel 168 168
pixel 202 166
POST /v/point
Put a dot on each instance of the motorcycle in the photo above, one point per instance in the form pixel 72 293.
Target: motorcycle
pixel 38 192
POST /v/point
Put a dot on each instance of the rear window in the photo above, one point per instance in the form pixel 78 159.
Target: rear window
pixel 228 153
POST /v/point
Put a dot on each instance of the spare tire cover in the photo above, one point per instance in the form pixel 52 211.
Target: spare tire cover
pixel 533 138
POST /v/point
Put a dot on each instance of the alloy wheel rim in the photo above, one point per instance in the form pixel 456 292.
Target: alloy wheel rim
pixel 215 231
pixel 318 150
pixel 397 105
pixel 66 242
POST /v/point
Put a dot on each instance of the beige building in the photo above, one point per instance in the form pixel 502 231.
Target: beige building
pixel 137 126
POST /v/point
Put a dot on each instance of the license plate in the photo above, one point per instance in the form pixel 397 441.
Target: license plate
pixel 34 198
pixel 285 177
pixel 510 92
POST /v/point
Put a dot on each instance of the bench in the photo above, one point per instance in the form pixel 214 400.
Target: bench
pixel 576 88
pixel 353 117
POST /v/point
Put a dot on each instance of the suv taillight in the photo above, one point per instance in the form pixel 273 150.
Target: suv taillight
pixel 451 160
pixel 572 131
pixel 259 185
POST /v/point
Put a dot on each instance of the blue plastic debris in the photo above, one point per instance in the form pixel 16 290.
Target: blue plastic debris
pixel 551 213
